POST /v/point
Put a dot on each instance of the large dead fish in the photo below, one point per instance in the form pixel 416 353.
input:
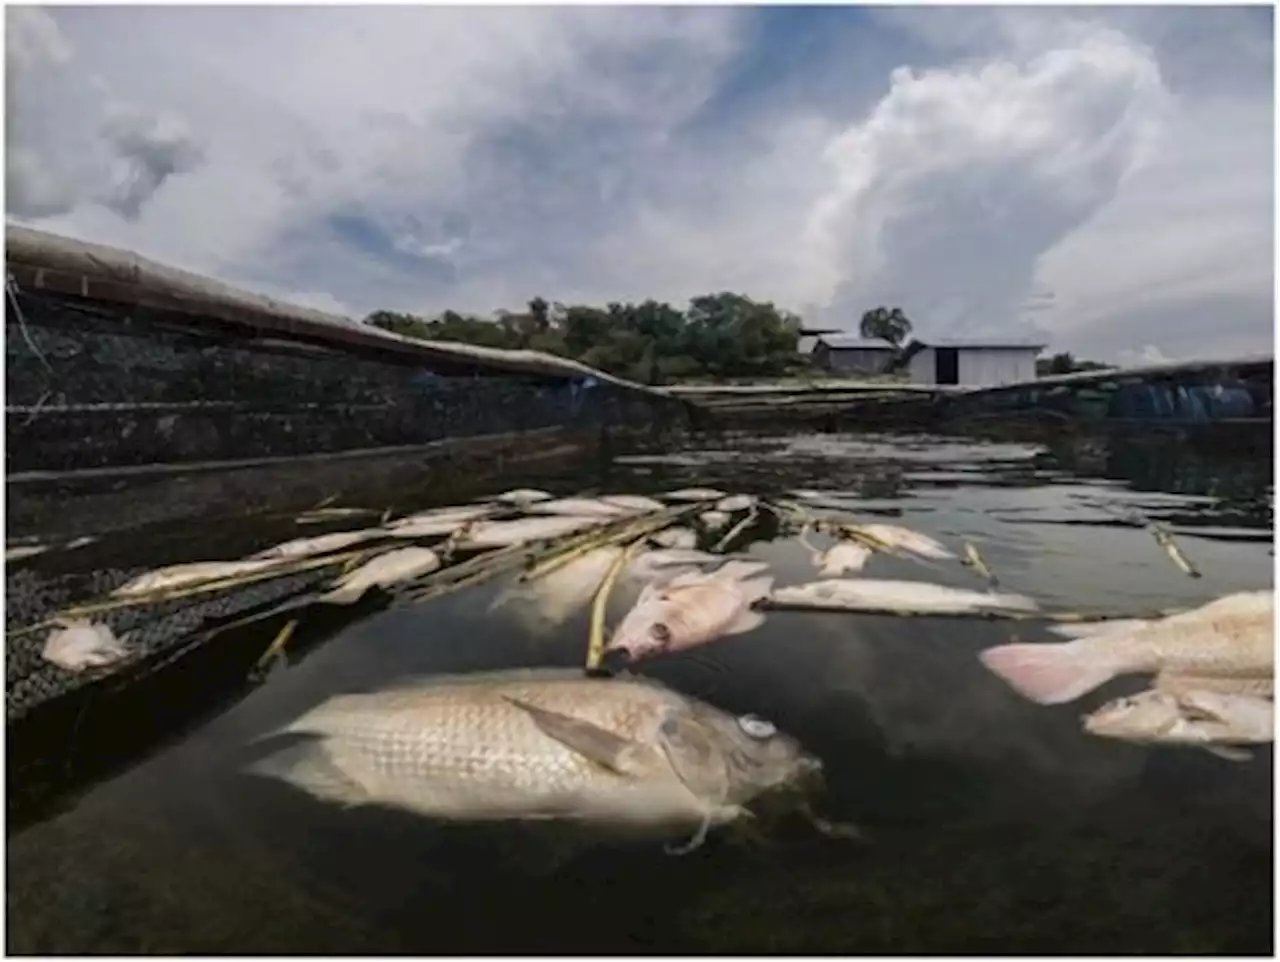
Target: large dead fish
pixel 187 575
pixel 1209 720
pixel 499 534
pixel 895 537
pixel 628 753
pixel 695 494
pixel 579 507
pixel 688 610
pixel 77 645
pixel 634 503
pixel 322 544
pixel 653 564
pixel 1232 637
pixel 522 496
pixel 457 515
pixel 890 596
pixel 383 571
pixel 426 527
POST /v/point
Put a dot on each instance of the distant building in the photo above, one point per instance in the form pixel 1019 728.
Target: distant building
pixel 851 355
pixel 970 363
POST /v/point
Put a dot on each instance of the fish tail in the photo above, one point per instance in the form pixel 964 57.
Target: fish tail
pixel 1051 674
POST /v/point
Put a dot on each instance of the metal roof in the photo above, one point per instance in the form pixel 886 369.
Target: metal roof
pixel 977 344
pixel 851 342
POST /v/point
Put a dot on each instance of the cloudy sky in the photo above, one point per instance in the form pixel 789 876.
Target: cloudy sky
pixel 1102 176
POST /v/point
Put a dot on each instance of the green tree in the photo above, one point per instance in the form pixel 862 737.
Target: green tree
pixel 885 324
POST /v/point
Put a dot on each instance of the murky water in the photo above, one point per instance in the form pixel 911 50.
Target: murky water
pixel 993 825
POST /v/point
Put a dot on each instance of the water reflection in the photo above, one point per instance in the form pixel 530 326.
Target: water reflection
pixel 994 825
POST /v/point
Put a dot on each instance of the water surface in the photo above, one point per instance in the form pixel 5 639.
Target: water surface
pixel 993 825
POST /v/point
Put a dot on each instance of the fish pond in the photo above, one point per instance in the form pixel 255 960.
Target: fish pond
pixel 990 824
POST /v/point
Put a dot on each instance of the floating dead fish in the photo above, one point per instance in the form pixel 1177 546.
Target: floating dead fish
pixel 323 544
pixel 554 598
pixel 695 494
pixel 1093 629
pixel 872 595
pixel 78 645
pixel 736 502
pixel 1207 720
pixel 895 537
pixel 523 496
pixel 458 514
pixel 652 564
pixel 690 609
pixel 1233 636
pixel 841 557
pixel 18 552
pixel 626 753
pixel 317 515
pixel 579 507
pixel 1179 683
pixel 187 575
pixel 713 520
pixel 402 564
pixel 499 534
pixel 675 538
pixel 636 503
pixel 426 528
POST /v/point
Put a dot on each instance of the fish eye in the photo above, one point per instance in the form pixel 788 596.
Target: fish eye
pixel 757 727
pixel 660 632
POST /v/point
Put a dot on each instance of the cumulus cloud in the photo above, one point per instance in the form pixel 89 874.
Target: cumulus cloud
pixel 1061 170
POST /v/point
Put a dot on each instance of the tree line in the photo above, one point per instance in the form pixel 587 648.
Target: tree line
pixel 717 336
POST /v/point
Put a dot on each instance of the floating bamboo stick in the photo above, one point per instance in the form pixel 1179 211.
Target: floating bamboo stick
pixel 578 545
pixel 600 605
pixel 737 529
pixel 1055 617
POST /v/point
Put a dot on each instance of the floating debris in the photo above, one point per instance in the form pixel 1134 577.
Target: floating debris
pixel 78 645
pixel 633 502
pixel 1233 636
pixel 183 575
pixel 522 496
pixel 323 544
pixel 1208 720
pixel 580 507
pixel 974 560
pixel 19 552
pixel 320 515
pixel 695 494
pixel 691 609
pixel 541 743
pixel 393 567
pixel 1164 538
pixel 882 596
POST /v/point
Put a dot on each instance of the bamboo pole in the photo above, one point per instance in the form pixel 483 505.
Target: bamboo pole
pixel 600 606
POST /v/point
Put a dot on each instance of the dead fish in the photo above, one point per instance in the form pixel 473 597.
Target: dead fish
pixel 323 544
pixel 522 496
pixel 675 538
pixel 633 502
pixel 425 528
pixel 690 609
pixel 736 502
pixel 1177 683
pixel 713 520
pixel 197 572
pixel 626 753
pixel 896 537
pixel 1092 629
pixel 383 571
pixel 554 598
pixel 974 560
pixel 841 557
pixel 1231 637
pixel 651 564
pixel 498 534
pixel 318 515
pixel 695 494
pixel 457 514
pixel 18 552
pixel 889 596
pixel 579 507
pixel 1164 538
pixel 78 644
pixel 1207 720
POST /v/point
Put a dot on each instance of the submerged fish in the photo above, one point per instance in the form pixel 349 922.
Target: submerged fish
pixel 523 496
pixel 690 609
pixel 1233 636
pixel 695 494
pixel 628 753
pixel 651 564
pixel 497 534
pixel 735 503
pixel 1209 720
pixel 18 552
pixel 555 597
pixel 675 538
pixel 713 520
pixel 197 572
pixel 890 596
pixel 841 557
pixel 78 644
pixel 896 537
pixel 385 570
pixel 579 507
pixel 305 547
pixel 633 502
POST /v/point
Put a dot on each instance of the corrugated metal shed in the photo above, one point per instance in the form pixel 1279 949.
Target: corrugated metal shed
pixel 972 362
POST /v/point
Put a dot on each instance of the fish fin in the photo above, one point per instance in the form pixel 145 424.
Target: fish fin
pixel 749 620
pixel 694 758
pixel 592 742
pixel 696 842
pixel 1229 753
pixel 1050 674
pixel 305 765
